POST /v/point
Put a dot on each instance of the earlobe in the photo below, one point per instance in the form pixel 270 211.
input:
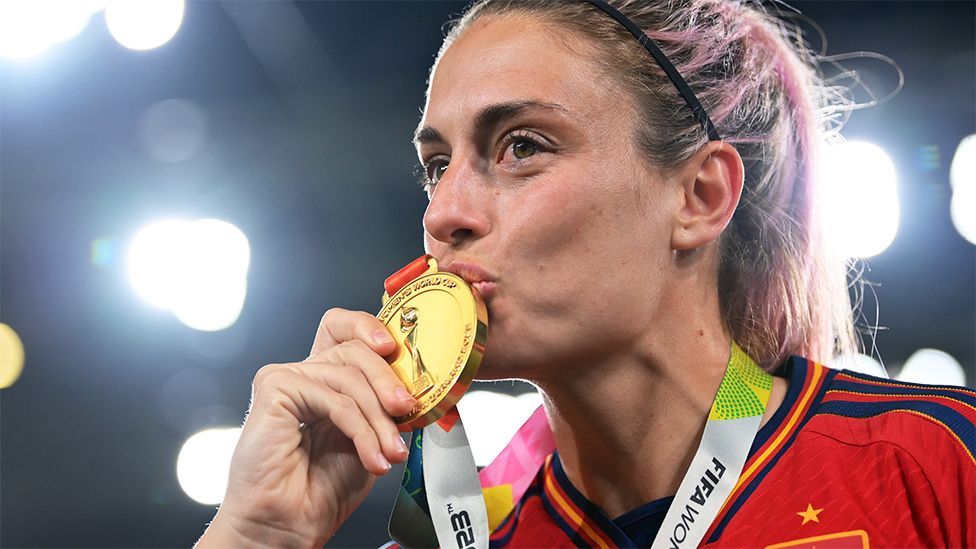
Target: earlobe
pixel 711 186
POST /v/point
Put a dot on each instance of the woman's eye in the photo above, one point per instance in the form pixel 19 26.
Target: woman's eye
pixel 435 170
pixel 524 148
pixel 520 145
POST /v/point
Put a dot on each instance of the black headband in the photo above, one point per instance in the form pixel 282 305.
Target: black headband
pixel 665 63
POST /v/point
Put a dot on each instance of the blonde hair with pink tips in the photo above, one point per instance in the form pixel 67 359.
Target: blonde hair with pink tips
pixel 782 291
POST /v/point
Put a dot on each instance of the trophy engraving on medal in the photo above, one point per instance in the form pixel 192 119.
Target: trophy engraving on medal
pixel 420 381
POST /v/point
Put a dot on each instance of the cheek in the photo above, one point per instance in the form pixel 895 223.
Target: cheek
pixel 591 224
pixel 550 217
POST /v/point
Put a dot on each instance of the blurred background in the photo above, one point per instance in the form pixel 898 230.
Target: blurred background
pixel 186 187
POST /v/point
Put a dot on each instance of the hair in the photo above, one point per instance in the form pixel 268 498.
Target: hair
pixel 781 289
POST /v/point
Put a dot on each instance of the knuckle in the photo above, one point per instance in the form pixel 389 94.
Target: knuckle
pixel 363 439
pixel 261 376
pixel 358 345
pixel 354 372
pixel 345 372
pixel 350 352
pixel 347 417
pixel 329 316
pixel 368 319
pixel 345 406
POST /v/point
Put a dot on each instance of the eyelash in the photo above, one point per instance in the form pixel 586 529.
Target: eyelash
pixel 520 135
pixel 423 169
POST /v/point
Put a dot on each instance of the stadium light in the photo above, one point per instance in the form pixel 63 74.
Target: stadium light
pixel 962 177
pixel 203 464
pixel 29 27
pixel 860 198
pixel 145 24
pixel 932 367
pixel 11 356
pixel 196 269
pixel 860 363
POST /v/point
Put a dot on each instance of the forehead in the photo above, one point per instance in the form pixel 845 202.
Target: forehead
pixel 512 58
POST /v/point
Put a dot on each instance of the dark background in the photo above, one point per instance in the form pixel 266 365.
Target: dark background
pixel 310 108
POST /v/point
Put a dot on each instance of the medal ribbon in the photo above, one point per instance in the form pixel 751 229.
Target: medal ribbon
pixel 733 422
pixel 440 500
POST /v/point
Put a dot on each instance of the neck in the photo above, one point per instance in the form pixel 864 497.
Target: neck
pixel 628 427
pixel 627 436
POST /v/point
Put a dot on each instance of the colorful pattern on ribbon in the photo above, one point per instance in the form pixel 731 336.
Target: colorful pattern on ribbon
pixel 504 481
pixel 744 390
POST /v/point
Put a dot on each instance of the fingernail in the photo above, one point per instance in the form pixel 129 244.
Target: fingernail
pixel 398 442
pixel 403 394
pixel 383 463
pixel 382 337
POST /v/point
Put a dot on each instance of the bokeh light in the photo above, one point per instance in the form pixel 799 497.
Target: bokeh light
pixel 145 24
pixel 491 419
pixel 860 198
pixel 962 172
pixel 155 261
pixel 173 130
pixel 204 464
pixel 962 177
pixel 211 304
pixel 932 367
pixel 28 27
pixel 860 363
pixel 962 209
pixel 196 269
pixel 11 356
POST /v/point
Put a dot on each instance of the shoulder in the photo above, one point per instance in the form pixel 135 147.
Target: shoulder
pixel 845 442
pixel 862 409
pixel 832 416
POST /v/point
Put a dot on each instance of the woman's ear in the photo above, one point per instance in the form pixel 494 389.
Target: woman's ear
pixel 711 184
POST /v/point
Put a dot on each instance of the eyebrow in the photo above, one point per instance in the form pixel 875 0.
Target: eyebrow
pixel 489 117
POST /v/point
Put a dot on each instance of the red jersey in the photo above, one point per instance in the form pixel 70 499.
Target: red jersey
pixel 847 460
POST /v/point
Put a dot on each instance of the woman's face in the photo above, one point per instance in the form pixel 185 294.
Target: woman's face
pixel 540 198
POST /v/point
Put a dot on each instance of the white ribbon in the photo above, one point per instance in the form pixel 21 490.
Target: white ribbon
pixel 457 507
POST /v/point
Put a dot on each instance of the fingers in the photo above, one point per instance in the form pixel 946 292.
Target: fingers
pixel 350 381
pixel 341 325
pixel 310 402
pixel 395 398
pixel 340 395
pixel 344 386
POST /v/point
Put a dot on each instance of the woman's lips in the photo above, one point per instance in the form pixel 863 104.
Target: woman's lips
pixel 475 275
pixel 485 288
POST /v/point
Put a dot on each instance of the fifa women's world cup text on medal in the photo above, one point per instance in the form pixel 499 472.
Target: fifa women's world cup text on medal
pixel 440 325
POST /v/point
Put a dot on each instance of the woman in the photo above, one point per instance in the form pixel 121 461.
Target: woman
pixel 627 225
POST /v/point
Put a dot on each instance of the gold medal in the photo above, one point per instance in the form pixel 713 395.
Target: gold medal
pixel 440 325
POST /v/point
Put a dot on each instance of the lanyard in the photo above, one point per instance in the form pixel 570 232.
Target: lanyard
pixel 443 501
pixel 733 422
pixel 440 500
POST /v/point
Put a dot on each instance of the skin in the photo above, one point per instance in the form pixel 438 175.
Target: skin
pixel 601 282
pixel 607 267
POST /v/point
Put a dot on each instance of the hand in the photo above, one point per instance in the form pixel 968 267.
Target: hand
pixel 317 434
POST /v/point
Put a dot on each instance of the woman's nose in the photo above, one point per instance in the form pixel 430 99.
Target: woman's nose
pixel 459 207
